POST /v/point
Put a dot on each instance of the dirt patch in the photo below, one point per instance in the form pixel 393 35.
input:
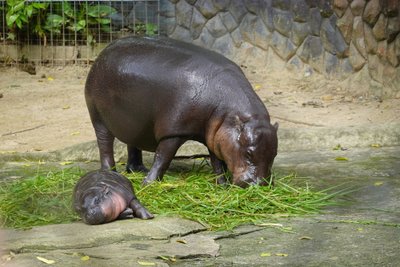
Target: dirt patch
pixel 47 111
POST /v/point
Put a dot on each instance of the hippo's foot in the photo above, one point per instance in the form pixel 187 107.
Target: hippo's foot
pixel 149 180
pixel 222 180
pixel 136 168
pixel 139 211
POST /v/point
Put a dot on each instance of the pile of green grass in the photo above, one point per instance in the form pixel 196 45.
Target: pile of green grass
pixel 38 200
pixel 46 199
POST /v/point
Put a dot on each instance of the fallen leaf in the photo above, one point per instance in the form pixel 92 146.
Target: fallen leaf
pixel 281 254
pixel 341 159
pixel 85 258
pixel 76 133
pixel 66 107
pixel 257 87
pixel 182 241
pixel 327 98
pixel 337 147
pixel 50 78
pixel 167 258
pixel 305 238
pixel 265 254
pixel 288 229
pixel 360 229
pixel 376 145
pixel 46 260
pixel 66 163
pixel 146 263
pixel 270 224
pixel 378 183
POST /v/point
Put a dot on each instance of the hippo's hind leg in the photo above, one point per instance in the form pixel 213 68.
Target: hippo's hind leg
pixel 219 168
pixel 165 152
pixel 135 160
pixel 105 142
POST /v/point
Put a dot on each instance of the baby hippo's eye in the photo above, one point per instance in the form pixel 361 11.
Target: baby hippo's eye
pixel 250 152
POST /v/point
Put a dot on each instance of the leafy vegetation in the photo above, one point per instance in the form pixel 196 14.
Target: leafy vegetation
pixel 20 12
pixel 44 19
pixel 46 199
pixel 82 21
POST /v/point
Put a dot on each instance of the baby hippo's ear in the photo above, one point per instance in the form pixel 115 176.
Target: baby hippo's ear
pixel 276 126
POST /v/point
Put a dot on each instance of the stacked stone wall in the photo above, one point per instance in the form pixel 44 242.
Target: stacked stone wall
pixel 357 40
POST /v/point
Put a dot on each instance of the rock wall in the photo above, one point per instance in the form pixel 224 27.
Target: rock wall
pixel 353 40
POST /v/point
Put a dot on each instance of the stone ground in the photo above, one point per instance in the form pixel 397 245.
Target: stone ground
pixel 363 231
pixel 43 117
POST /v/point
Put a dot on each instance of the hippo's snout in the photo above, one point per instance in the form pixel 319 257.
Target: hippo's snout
pixel 94 216
pixel 248 178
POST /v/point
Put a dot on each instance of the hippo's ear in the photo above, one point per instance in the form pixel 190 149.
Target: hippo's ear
pixel 276 126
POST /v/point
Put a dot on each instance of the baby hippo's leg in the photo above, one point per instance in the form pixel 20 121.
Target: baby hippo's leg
pixel 126 214
pixel 139 210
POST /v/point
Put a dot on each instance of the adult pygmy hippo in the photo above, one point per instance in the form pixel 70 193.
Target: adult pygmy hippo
pixel 156 93
pixel 103 196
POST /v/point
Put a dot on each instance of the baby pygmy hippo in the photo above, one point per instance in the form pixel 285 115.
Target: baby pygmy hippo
pixel 104 196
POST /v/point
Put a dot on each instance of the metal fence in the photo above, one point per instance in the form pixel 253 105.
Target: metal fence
pixel 62 32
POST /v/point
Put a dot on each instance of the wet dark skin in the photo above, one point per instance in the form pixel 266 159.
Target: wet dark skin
pixel 103 196
pixel 156 93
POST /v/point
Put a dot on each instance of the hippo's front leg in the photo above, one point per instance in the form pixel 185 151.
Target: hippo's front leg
pixel 219 168
pixel 164 154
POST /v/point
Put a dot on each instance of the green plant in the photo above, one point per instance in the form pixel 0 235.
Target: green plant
pixel 82 19
pixel 85 18
pixel 148 29
pixel 20 12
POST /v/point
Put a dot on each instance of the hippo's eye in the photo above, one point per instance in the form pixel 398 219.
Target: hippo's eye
pixel 249 153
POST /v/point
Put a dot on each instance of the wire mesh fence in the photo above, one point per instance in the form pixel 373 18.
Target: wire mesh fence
pixel 70 31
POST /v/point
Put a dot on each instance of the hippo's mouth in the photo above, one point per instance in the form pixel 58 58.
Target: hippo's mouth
pixel 248 178
pixel 94 216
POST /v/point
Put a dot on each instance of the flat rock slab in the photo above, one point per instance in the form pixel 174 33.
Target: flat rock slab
pixel 126 241
pixel 309 242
